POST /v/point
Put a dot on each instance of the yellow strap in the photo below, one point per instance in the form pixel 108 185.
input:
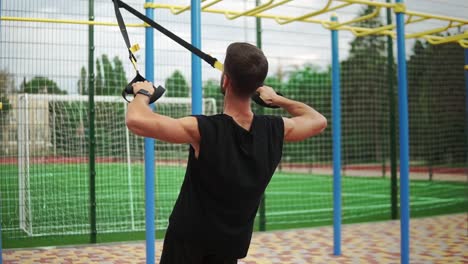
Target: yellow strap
pixel 135 48
pixel 1 105
pixel 218 65
pixel 466 67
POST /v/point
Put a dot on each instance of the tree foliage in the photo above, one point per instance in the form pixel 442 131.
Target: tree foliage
pixel 364 96
pixel 41 85
pixel 6 86
pixel 212 89
pixel 110 77
pixel 176 85
pixel 436 103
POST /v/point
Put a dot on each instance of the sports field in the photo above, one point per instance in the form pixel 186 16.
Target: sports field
pixel 55 200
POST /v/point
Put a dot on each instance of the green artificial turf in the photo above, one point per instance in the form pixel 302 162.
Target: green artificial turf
pixel 58 197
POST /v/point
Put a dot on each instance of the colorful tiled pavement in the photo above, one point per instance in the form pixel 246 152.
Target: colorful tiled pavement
pixel 441 239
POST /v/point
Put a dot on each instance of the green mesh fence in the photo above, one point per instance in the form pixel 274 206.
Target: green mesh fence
pixel 44 125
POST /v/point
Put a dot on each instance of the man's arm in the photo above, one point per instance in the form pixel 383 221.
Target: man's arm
pixel 144 122
pixel 305 121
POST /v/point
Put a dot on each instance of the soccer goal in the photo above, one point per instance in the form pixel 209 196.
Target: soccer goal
pixel 53 158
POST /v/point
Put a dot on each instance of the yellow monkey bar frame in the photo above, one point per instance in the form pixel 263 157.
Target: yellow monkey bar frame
pixel 411 18
pixel 331 5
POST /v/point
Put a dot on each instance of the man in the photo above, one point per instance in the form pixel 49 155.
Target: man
pixel 232 158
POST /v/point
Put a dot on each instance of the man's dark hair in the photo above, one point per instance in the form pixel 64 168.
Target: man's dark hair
pixel 246 66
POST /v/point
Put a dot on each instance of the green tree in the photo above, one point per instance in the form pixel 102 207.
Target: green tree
pixel 6 87
pixel 310 85
pixel 212 89
pixel 436 96
pixel 274 82
pixel 41 85
pixel 364 96
pixel 110 77
pixel 109 80
pixel 176 85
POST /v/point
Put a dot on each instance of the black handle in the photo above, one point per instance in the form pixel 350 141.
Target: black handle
pixel 158 91
pixel 256 98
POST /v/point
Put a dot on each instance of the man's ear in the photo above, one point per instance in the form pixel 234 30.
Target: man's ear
pixel 226 81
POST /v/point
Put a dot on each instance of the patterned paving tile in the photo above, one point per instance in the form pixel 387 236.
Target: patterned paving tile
pixel 441 239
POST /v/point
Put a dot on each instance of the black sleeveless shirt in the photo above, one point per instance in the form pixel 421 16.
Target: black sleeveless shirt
pixel 222 188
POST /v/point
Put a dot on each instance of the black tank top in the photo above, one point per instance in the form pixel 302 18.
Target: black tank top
pixel 222 188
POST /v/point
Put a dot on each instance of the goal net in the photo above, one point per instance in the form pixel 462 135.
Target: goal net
pixel 53 164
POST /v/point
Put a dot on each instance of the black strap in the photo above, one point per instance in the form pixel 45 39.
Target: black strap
pixel 160 90
pixel 117 3
pixel 123 30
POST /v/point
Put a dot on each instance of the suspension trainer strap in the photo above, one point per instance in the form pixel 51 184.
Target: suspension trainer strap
pixel 160 90
pixel 123 30
pixel 210 60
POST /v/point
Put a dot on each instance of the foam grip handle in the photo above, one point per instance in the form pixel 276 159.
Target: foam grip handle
pixel 158 92
pixel 257 99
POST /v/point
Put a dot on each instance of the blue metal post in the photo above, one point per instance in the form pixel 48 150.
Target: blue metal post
pixel 466 102
pixel 404 136
pixel 336 127
pixel 1 254
pixel 195 13
pixel 149 148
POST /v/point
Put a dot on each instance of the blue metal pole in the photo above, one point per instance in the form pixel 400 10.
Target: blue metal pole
pixel 336 130
pixel 404 136
pixel 195 13
pixel 466 102
pixel 1 254
pixel 149 148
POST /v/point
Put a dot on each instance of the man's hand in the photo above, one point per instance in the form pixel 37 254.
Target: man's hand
pixel 268 95
pixel 143 85
pixel 305 121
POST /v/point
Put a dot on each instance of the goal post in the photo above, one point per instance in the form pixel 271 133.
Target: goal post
pixel 53 162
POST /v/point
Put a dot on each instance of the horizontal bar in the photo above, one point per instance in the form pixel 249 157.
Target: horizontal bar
pixel 223 12
pixel 325 9
pixel 65 21
pixel 210 4
pixel 259 9
pixel 187 7
pixel 438 17
pixel 252 11
pixel 432 31
pixel 358 19
pixel 464 44
pixel 388 28
pixel 436 40
pixel 412 17
pixel 369 3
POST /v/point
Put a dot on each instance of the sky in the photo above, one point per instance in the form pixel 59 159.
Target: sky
pixel 58 51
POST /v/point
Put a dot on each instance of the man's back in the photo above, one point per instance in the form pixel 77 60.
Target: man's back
pixel 229 165
pixel 223 186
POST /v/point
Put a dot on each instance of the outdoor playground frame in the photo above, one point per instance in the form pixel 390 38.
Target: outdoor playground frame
pixel 396 31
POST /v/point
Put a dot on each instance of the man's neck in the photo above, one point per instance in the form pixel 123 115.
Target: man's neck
pixel 238 108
